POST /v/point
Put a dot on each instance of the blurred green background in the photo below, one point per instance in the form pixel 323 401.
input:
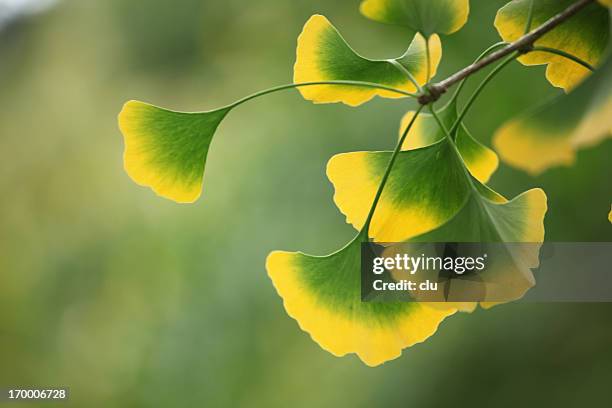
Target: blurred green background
pixel 134 301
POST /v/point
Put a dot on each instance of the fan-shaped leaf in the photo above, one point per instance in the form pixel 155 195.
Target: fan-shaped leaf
pixel 166 150
pixel 510 232
pixel 323 293
pixel 427 186
pixel 585 35
pixel 483 220
pixel 550 135
pixel 323 55
pixel 424 16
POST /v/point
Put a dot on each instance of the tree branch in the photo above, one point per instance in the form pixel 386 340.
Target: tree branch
pixel 523 45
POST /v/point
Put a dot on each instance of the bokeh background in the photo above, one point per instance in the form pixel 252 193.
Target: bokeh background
pixel 134 301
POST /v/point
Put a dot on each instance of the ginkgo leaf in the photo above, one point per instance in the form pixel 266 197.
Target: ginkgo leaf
pixel 424 16
pixel 323 294
pixel 166 150
pixel 323 55
pixel 606 2
pixel 610 214
pixel 585 35
pixel 486 221
pixel 426 187
pixel 550 135
pixel 480 160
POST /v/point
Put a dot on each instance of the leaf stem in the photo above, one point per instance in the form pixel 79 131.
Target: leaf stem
pixel 565 55
pixel 523 44
pixel 478 90
pixel 383 182
pixel 304 84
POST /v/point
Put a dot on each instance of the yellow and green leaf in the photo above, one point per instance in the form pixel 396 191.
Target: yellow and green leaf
pixel 586 36
pixel 427 186
pixel 166 150
pixel 551 134
pixel 323 294
pixel 489 219
pixel 424 16
pixel 323 55
pixel 518 222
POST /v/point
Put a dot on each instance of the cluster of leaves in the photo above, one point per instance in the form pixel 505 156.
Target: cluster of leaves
pixel 432 188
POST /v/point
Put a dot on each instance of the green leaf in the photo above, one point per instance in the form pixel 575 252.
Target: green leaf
pixel 427 186
pixel 424 16
pixel 509 233
pixel 166 150
pixel 508 276
pixel 551 134
pixel 323 293
pixel 586 36
pixel 323 55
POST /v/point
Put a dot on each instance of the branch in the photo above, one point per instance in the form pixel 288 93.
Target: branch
pixel 523 45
